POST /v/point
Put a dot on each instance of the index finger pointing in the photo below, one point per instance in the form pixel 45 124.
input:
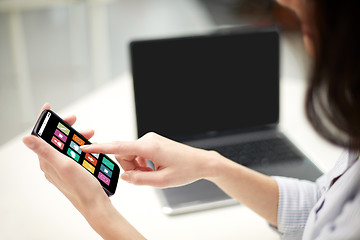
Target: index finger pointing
pixel 120 148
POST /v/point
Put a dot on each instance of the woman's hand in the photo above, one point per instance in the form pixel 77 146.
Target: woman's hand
pixel 69 177
pixel 175 164
pixel 81 188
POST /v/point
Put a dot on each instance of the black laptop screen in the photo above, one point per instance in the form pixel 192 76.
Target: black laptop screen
pixel 194 85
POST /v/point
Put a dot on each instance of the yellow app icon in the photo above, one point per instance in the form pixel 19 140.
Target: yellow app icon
pixel 89 167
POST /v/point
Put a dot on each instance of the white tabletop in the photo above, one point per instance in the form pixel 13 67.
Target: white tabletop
pixel 31 208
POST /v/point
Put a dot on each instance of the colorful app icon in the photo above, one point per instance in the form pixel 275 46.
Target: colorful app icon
pixel 78 140
pixel 75 147
pixel 107 163
pixel 62 128
pixel 88 166
pixel 90 159
pixel 73 154
pixel 57 142
pixel 105 170
pixel 103 178
pixel 60 135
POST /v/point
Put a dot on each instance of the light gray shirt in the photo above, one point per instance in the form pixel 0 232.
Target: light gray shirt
pixel 327 209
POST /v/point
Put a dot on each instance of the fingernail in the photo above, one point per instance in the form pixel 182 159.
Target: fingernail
pixel 46 105
pixel 29 142
pixel 126 177
pixel 84 147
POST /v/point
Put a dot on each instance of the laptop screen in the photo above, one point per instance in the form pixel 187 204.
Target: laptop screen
pixel 201 84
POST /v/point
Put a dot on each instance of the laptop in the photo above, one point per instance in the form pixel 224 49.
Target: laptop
pixel 218 91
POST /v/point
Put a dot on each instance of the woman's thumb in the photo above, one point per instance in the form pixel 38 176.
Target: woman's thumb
pixel 137 177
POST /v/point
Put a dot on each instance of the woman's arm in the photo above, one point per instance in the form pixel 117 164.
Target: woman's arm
pixel 253 189
pixel 81 188
pixel 83 191
pixel 108 222
pixel 177 164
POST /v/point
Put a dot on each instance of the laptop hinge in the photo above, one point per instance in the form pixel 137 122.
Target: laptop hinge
pixel 215 134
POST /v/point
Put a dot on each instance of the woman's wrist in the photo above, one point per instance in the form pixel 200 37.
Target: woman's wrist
pixel 108 222
pixel 98 215
pixel 253 189
pixel 214 165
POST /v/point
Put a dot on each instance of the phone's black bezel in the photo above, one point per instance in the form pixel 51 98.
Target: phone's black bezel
pixel 116 170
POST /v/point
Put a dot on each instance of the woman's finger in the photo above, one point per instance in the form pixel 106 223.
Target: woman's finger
pixel 127 162
pixel 88 134
pixel 70 119
pixel 142 161
pixel 46 106
pixel 44 151
pixel 152 178
pixel 120 148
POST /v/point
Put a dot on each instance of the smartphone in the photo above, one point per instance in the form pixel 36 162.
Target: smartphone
pixel 67 140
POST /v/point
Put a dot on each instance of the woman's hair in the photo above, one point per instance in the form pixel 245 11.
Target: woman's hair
pixel 333 96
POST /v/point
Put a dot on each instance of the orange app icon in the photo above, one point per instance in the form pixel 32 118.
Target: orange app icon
pixel 78 140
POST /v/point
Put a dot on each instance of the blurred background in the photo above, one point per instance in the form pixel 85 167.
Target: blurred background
pixel 56 51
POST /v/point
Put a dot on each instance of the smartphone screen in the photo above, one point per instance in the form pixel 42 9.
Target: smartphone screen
pixel 67 140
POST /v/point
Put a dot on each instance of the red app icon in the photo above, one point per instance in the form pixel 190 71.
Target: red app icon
pixel 57 142
pixel 91 159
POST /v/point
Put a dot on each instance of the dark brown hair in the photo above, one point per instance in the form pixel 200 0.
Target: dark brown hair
pixel 333 96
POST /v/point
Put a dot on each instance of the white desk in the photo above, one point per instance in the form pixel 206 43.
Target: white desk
pixel 31 208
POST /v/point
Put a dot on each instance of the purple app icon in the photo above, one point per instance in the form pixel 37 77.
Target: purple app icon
pixel 60 135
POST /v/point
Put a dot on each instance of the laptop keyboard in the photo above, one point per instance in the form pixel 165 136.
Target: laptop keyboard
pixel 263 152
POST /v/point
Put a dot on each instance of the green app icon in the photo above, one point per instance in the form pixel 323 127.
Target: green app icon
pixel 108 163
pixel 73 154
pixel 64 129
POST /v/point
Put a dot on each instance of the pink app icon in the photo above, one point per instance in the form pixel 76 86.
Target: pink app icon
pixel 60 135
pixel 103 178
